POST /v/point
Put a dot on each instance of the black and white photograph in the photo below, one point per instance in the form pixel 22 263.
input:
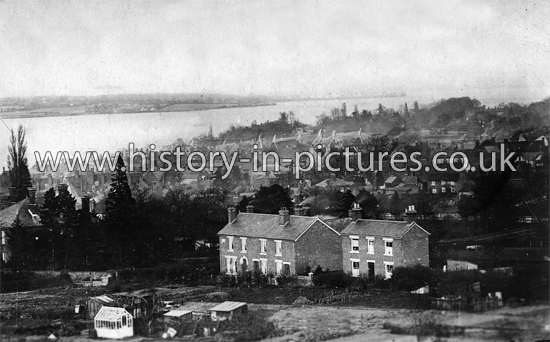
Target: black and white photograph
pixel 282 171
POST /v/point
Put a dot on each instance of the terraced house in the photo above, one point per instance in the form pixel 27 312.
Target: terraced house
pixel 375 247
pixel 277 244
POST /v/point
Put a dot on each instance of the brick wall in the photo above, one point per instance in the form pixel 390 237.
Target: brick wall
pixel 378 257
pixel 319 245
pixel 415 248
pixel 253 253
pixel 411 249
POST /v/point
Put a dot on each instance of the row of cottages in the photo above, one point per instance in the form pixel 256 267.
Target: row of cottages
pixel 277 244
pixel 295 244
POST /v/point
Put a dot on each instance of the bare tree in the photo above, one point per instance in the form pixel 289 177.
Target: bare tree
pixel 17 164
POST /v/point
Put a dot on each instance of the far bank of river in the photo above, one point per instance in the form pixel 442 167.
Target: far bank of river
pixel 109 132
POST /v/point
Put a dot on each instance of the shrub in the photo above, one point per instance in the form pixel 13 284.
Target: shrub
pixel 333 279
pixel 410 278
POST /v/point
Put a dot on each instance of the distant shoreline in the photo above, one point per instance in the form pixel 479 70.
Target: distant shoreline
pixel 53 114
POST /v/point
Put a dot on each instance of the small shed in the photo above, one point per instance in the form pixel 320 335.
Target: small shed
pixel 111 322
pixel 96 303
pixel 228 310
pixel 178 316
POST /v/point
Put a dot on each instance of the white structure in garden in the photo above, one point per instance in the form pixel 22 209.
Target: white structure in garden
pixel 111 322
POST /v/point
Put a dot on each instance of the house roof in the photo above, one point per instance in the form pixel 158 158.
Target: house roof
pixel 438 176
pixel 24 211
pixel 103 299
pixel 109 313
pixel 336 182
pixel 177 313
pixel 392 229
pixel 227 306
pixel 267 226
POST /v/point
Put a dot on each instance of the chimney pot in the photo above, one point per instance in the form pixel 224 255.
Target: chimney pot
pixel 231 214
pixel 284 216
pixel 410 214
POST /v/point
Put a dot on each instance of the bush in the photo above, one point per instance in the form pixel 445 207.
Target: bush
pixel 333 279
pixel 28 281
pixel 410 278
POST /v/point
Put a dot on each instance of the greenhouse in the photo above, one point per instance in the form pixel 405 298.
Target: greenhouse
pixel 111 322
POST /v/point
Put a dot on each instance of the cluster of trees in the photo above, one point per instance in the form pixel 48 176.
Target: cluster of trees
pixel 139 229
pixel 450 114
pixel 286 123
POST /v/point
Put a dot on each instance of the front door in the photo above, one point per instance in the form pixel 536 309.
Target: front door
pixel 256 266
pixel 371 269
pixel 244 266
pixel 286 269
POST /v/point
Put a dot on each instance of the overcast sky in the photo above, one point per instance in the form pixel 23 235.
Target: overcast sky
pixel 273 47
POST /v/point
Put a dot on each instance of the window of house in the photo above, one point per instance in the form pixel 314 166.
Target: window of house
pixel 433 183
pixel 243 245
pixel 263 246
pixel 354 244
pixel 263 266
pixel 388 243
pixel 230 244
pixel 442 182
pixel 370 245
pixel 231 264
pixel 443 190
pixel 278 247
pixel 452 182
pixel 388 266
pixel 3 237
pixel 434 191
pixel 453 189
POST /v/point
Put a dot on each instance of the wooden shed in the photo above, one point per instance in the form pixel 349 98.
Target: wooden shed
pixel 228 310
pixel 111 322
pixel 178 316
pixel 94 304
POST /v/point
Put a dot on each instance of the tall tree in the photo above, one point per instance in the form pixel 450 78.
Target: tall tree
pixel 17 164
pixel 406 113
pixel 120 213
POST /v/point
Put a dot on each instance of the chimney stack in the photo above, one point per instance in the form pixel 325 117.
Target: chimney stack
pixel 284 216
pixel 85 204
pixel 32 195
pixel 250 209
pixel 410 214
pixel 305 210
pixel 356 213
pixel 231 214
pixel 62 188
pixel 299 211
pixel 12 194
pixel 85 207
